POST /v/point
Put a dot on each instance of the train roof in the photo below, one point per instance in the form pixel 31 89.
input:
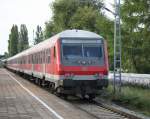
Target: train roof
pixel 51 41
pixel 78 34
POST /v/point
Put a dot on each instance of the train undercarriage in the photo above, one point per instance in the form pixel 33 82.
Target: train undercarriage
pixel 83 88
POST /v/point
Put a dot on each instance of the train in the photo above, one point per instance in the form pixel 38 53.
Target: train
pixel 72 62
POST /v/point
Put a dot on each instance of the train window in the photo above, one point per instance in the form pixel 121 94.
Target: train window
pixel 48 56
pixel 43 56
pixel 32 59
pixel 36 58
pixel 39 58
pixel 69 51
pixel 54 52
pixel 92 51
pixel 27 60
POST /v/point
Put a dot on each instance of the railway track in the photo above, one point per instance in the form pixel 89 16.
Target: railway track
pixel 96 110
pixel 101 110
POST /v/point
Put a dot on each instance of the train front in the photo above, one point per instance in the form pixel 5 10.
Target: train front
pixel 84 63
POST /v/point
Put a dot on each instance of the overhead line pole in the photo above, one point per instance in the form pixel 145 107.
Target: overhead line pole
pixel 117 47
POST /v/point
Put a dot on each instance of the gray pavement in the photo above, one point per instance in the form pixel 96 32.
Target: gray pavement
pixel 20 99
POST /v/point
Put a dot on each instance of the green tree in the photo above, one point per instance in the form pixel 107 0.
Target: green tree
pixel 87 21
pixel 13 41
pixel 23 38
pixel 39 35
pixel 136 35
pixel 64 10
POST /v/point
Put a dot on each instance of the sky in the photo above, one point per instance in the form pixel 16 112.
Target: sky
pixel 29 12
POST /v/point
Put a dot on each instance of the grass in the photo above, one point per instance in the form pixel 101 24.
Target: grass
pixel 135 98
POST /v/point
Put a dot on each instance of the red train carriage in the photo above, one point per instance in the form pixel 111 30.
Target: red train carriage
pixel 71 62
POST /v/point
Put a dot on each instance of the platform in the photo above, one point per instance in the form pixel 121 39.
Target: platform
pixel 21 99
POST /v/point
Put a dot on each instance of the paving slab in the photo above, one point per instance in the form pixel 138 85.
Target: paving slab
pixel 21 99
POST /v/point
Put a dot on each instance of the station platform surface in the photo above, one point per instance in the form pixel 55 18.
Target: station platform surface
pixel 21 99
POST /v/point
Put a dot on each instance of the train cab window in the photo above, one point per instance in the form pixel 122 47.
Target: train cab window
pixel 69 51
pixel 92 51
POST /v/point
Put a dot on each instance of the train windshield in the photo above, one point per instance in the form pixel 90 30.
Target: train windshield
pixel 82 52
pixel 92 51
pixel 72 51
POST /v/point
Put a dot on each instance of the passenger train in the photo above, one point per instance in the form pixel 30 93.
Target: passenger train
pixel 71 62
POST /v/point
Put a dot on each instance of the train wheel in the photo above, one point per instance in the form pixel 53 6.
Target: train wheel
pixel 58 91
pixel 43 83
pixel 52 87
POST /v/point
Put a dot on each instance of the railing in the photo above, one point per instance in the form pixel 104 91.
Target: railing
pixel 134 79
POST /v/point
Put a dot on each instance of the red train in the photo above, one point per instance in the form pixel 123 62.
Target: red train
pixel 71 62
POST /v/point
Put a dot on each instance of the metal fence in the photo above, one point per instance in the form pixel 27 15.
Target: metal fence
pixel 134 79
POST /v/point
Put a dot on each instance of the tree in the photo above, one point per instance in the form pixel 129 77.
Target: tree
pixel 23 38
pixel 13 41
pixel 136 35
pixel 39 35
pixel 64 10
pixel 87 21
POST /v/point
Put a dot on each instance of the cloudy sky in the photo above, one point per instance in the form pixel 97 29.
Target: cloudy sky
pixel 29 12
